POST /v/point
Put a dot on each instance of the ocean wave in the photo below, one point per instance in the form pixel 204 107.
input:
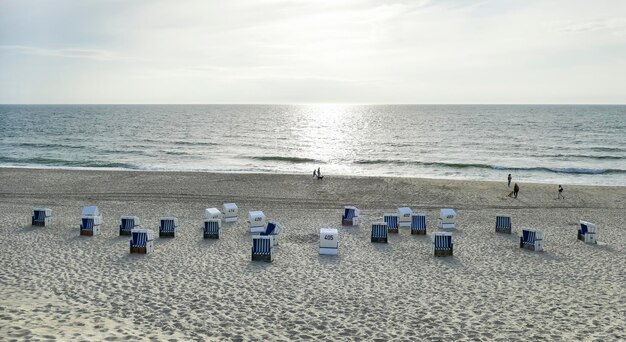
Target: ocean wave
pixel 68 163
pixel 47 145
pixel 293 160
pixel 568 170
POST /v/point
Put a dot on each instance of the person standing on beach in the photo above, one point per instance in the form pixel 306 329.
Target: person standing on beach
pixel 509 178
pixel 314 174
pixel 318 172
pixel 560 195
pixel 515 190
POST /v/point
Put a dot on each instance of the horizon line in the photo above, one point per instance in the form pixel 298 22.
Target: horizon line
pixel 312 104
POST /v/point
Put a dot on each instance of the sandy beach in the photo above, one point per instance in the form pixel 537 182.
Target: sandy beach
pixel 58 285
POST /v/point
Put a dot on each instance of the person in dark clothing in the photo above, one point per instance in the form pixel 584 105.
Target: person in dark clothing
pixel 509 178
pixel 314 173
pixel 560 193
pixel 515 190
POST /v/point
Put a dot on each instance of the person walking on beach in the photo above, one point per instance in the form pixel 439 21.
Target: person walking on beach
pixel 515 190
pixel 509 178
pixel 560 195
pixel 314 174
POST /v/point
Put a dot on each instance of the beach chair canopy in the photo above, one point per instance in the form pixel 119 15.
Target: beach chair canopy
pixel 405 212
pixel 230 208
pixel 447 213
pixel 212 213
pixel 256 216
pixel 90 211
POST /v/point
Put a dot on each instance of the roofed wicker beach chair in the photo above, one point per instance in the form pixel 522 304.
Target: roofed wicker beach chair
pixel 41 217
pixel 447 218
pixel 231 212
pixel 404 216
pixel 442 244
pixel 168 226
pixel 392 222
pixel 418 224
pixel 256 221
pixel 272 229
pixel 90 221
pixel 129 223
pixel 329 241
pixel 212 228
pixel 350 216
pixel 379 232
pixel 262 248
pixel 503 223
pixel 142 241
pixel 588 232
pixel 531 239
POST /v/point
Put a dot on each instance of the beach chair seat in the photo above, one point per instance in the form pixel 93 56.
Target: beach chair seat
pixel 404 217
pixel 262 248
pixel 142 241
pixel 392 222
pixel 350 216
pixel 128 223
pixel 447 219
pixel 168 226
pixel 231 212
pixel 272 229
pixel 418 224
pixel 379 232
pixel 503 223
pixel 329 241
pixel 531 239
pixel 442 244
pixel 212 228
pixel 587 232
pixel 41 217
pixel 256 222
pixel 90 221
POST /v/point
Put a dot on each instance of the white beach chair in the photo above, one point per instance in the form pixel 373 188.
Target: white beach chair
pixel 256 221
pixel 231 212
pixel 531 239
pixel 90 221
pixel 142 241
pixel 212 214
pixel 168 226
pixel 503 223
pixel 588 232
pixel 329 241
pixel 404 217
pixel 442 244
pixel 128 223
pixel 41 217
pixel 447 219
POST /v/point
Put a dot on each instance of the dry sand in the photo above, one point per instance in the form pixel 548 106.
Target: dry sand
pixel 56 284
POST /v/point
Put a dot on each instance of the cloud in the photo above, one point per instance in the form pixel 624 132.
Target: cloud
pixel 94 54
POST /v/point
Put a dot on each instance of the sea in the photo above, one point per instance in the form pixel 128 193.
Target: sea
pixel 564 144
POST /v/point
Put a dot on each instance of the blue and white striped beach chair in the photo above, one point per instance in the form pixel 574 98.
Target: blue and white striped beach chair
pixel 168 226
pixel 588 232
pixel 41 217
pixel 442 244
pixel 379 232
pixel 262 248
pixel 350 216
pixel 392 222
pixel 531 239
pixel 418 224
pixel 142 241
pixel 128 223
pixel 212 228
pixel 503 223
pixel 90 221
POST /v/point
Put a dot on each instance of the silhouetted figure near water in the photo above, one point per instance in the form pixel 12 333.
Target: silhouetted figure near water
pixel 560 195
pixel 509 178
pixel 515 190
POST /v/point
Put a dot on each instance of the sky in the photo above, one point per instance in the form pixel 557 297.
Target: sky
pixel 278 51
